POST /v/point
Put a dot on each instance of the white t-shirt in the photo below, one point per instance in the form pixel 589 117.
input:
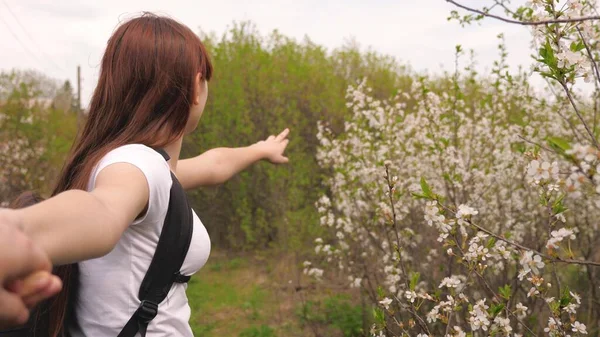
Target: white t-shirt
pixel 110 284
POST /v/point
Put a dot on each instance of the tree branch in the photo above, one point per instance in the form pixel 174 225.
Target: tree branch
pixel 536 144
pixel 546 256
pixel 524 23
pixel 591 57
pixel 587 128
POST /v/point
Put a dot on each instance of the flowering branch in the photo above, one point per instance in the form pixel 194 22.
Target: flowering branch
pixel 524 23
pixel 546 256
pixel 391 190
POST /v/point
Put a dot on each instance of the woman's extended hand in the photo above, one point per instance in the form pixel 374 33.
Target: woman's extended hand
pixel 25 276
pixel 274 146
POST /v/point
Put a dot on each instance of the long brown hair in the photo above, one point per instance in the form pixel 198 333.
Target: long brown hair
pixel 144 94
pixel 25 199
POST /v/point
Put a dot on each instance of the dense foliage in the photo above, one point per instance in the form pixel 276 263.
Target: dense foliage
pixel 263 84
pixel 37 127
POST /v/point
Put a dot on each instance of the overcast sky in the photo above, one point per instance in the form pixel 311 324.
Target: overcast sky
pixel 54 36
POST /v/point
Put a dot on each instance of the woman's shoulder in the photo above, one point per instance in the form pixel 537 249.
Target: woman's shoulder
pixel 137 154
pixel 136 150
pixel 155 169
pixel 149 161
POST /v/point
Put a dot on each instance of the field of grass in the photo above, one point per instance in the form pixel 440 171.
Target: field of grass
pixel 259 296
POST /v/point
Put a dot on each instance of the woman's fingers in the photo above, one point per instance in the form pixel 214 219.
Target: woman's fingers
pixel 14 312
pixel 52 288
pixel 20 259
pixel 15 286
pixel 283 134
pixel 23 257
pixel 34 283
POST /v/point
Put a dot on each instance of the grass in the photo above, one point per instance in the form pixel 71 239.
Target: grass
pixel 256 296
pixel 233 297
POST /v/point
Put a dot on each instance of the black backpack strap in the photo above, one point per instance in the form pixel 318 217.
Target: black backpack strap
pixel 163 153
pixel 168 258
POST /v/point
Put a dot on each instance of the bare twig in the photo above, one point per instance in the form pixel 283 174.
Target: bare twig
pixel 524 23
pixel 589 52
pixel 448 324
pixel 587 128
pixel 576 132
pixel 536 144
pixel 506 9
pixel 596 76
pixel 391 190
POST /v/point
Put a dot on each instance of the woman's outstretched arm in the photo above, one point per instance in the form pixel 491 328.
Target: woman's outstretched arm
pixel 218 165
pixel 77 225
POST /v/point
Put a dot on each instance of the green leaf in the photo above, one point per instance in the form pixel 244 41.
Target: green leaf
pixel 577 46
pixel 425 188
pixel 419 196
pixel 491 242
pixel 559 143
pixel 558 206
pixel 566 298
pixel 495 309
pixel 505 291
pixel 379 316
pixel 414 279
pixel 380 292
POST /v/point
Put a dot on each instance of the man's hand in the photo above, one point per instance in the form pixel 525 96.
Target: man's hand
pixel 274 146
pixel 24 273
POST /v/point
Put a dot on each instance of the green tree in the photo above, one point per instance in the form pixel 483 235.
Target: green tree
pixel 261 85
pixel 35 135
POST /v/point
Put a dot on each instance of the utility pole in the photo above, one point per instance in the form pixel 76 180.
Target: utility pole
pixel 79 111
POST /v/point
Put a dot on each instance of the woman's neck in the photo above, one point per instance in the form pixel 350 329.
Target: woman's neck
pixel 173 150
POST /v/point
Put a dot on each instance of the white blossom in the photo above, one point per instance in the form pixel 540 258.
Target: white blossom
pixel 386 303
pixel 478 317
pixel 558 236
pixel 579 328
pixel 531 263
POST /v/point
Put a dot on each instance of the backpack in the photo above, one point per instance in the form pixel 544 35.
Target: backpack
pixel 164 270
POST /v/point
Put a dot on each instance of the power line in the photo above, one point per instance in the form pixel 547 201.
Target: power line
pixel 29 36
pixel 21 42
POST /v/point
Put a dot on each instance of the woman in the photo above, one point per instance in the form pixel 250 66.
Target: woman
pixel 112 194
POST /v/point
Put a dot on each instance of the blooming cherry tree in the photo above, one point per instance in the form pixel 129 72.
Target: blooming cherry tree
pixel 469 204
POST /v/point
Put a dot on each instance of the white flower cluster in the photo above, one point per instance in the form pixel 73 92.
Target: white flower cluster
pixel 588 164
pixel 477 249
pixel 558 236
pixel 530 263
pixel 311 271
pixel 570 59
pixel 479 317
pixel 542 172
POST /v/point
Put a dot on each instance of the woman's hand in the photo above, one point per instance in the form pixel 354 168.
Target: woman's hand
pixel 274 146
pixel 218 165
pixel 24 273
